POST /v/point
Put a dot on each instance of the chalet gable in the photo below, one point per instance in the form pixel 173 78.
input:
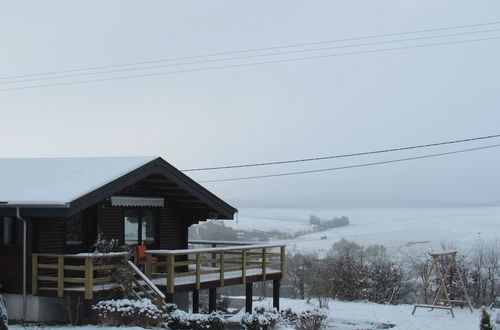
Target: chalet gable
pixel 66 186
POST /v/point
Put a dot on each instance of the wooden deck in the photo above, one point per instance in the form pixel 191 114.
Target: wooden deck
pixel 171 270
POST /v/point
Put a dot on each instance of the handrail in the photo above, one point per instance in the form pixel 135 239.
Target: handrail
pixel 93 274
pixel 221 261
pixel 145 279
pixel 215 243
pixel 209 250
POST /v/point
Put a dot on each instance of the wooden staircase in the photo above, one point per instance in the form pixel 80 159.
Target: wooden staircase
pixel 145 288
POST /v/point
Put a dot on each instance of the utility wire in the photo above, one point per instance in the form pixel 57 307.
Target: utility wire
pixel 296 59
pixel 248 56
pixel 342 156
pixel 255 50
pixel 350 166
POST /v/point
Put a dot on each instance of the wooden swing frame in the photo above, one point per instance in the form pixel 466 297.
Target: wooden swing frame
pixel 448 303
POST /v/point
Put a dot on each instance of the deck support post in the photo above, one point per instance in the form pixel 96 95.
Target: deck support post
pixel 169 298
pixel 196 301
pixel 249 297
pixel 276 294
pixel 212 299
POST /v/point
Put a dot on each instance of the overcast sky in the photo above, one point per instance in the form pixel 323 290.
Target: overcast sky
pixel 268 112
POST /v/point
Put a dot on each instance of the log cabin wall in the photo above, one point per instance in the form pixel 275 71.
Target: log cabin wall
pixel 10 262
pixel 110 221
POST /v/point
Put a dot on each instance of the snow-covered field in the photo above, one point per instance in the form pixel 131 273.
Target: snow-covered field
pixel 402 228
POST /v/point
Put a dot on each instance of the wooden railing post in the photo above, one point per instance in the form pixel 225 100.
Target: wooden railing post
pixel 198 269
pixel 89 278
pixel 244 265
pixel 221 267
pixel 148 267
pixel 34 274
pixel 263 264
pixel 60 276
pixel 282 259
pixel 170 273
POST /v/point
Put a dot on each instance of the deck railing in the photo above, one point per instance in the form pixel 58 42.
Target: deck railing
pixel 224 262
pixel 74 272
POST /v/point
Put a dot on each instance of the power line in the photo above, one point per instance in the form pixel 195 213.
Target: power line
pixel 342 156
pixel 248 56
pixel 254 50
pixel 350 166
pixel 250 64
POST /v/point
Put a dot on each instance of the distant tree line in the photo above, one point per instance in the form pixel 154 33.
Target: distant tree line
pixel 216 230
pixel 352 272
pixel 326 224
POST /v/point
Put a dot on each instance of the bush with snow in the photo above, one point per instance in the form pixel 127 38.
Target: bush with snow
pixel 263 318
pixel 178 319
pixel 308 319
pixel 142 313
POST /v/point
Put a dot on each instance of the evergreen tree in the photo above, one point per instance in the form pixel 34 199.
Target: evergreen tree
pixel 485 321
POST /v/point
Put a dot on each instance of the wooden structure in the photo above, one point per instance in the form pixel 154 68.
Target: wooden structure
pixel 65 203
pixel 166 271
pixel 442 299
pixel 209 268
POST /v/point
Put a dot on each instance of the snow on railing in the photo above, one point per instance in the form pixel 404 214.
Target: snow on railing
pixel 74 272
pixel 195 266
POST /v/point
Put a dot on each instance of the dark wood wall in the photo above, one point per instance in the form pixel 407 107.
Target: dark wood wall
pixel 47 235
pixel 110 221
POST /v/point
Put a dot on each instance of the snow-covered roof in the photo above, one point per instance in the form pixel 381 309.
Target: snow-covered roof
pixel 59 181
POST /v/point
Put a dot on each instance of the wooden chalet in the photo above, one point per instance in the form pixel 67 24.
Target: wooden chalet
pixel 52 210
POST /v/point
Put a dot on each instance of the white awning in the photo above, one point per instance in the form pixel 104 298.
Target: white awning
pixel 137 201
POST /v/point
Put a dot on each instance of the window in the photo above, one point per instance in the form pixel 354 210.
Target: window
pixel 8 229
pixel 140 227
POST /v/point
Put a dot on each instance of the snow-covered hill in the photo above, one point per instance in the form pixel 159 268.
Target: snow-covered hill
pixel 416 230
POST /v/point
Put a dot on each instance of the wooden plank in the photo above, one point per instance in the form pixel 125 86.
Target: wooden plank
pixel 244 265
pixel 89 278
pixel 433 306
pixel 82 268
pixel 48 278
pixel 60 276
pixel 47 266
pixel 170 273
pixel 148 268
pixel 197 271
pixel 105 267
pixel 221 267
pixel 263 264
pixel 100 280
pixel 74 280
pixel 282 259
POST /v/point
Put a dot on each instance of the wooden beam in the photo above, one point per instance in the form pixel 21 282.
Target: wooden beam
pixel 276 294
pixel 248 297
pixel 212 299
pixel 196 301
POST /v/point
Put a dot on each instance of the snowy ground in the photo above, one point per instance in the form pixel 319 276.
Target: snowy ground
pixel 355 316
pixel 367 316
pixel 415 230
